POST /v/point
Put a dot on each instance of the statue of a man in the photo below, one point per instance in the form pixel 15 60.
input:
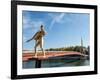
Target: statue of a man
pixel 39 41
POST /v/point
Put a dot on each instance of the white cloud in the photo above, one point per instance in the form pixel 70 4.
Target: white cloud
pixel 37 24
pixel 29 23
pixel 59 18
pixel 56 19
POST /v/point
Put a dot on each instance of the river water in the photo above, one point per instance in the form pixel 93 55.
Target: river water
pixel 56 63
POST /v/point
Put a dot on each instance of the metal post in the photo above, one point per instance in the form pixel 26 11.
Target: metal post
pixel 38 64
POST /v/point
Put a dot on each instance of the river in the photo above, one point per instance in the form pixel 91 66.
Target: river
pixel 56 63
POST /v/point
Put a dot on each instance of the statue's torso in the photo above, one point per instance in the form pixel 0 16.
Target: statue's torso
pixel 39 35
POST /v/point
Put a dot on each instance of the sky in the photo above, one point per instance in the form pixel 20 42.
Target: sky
pixel 63 29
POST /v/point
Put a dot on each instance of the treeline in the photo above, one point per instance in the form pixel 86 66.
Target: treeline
pixel 72 48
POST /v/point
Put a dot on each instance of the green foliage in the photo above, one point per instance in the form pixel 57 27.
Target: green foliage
pixel 84 50
pixel 71 48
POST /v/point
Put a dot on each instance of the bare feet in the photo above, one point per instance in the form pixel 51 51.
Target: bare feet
pixel 35 56
pixel 44 56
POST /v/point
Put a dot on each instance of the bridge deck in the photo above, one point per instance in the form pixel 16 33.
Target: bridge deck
pixel 29 55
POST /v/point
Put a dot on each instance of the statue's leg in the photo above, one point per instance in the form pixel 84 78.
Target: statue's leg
pixel 43 52
pixel 35 51
pixel 36 45
pixel 41 46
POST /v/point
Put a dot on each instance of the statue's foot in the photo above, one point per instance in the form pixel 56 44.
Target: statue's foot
pixel 44 56
pixel 35 56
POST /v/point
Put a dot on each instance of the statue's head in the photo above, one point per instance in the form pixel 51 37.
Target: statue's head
pixel 41 26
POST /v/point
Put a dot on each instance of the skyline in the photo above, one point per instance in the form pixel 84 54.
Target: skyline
pixel 63 29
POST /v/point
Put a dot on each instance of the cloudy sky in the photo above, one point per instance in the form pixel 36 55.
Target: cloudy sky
pixel 63 29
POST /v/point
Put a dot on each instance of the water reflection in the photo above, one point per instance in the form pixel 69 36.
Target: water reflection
pixel 56 63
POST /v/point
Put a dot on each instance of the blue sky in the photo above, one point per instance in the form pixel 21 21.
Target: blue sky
pixel 63 29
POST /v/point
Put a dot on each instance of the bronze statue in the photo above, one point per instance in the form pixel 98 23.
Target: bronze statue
pixel 39 41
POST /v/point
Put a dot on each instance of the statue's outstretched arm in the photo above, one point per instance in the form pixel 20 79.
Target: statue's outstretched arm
pixel 32 37
pixel 29 40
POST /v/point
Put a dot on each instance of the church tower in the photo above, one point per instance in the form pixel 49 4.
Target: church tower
pixel 81 45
